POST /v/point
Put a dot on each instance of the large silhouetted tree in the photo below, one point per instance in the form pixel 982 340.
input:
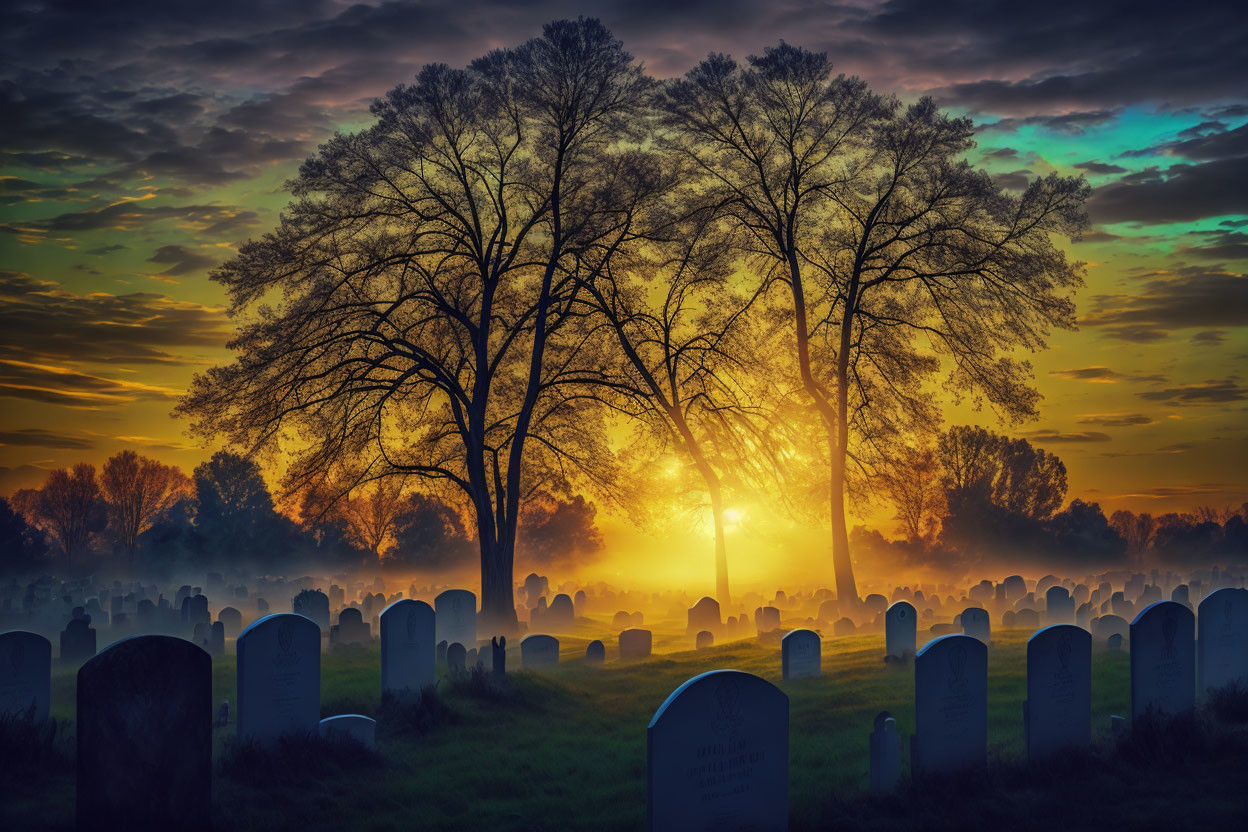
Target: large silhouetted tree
pixel 138 491
pixel 900 262
pixel 424 284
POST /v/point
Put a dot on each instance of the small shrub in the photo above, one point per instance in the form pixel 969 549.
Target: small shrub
pixel 33 749
pixel 293 760
pixel 416 716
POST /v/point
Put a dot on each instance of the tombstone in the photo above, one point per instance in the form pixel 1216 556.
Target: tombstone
pixel 950 706
pixel 634 644
pixel 843 627
pixel 561 614
pixel 144 729
pixel 595 652
pixel 216 639
pixel 77 641
pixel 1182 595
pixel 766 619
pixel 1163 660
pixel 1015 587
pixel 704 615
pixel 351 628
pixel 875 603
pixel 901 624
pixel 25 674
pixel 456 658
pixel 229 617
pixel 1114 643
pixel 1083 616
pixel 408 651
pixel 717 756
pixel 1108 625
pixel 1222 645
pixel 621 620
pixel 704 639
pixel 636 620
pixel 976 625
pixel 1059 607
pixel 885 754
pixel 579 601
pixel 800 656
pixel 200 637
pixel 351 728
pixel 498 656
pixel 440 651
pixel 279 677
pixel 538 652
pixel 313 605
pixel 828 610
pixel 262 606
pixel 1057 713
pixel 456 616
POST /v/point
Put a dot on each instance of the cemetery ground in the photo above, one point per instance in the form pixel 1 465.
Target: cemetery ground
pixel 566 749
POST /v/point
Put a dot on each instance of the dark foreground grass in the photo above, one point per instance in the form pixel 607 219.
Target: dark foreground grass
pixel 566 750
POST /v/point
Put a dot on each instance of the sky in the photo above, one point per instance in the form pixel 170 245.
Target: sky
pixel 141 141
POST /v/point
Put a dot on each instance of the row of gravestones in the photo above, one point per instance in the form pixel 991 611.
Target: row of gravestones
pixel 721 737
pixel 717 749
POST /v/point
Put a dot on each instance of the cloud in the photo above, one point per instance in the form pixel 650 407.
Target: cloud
pixel 1100 168
pixel 1202 393
pixel 183 260
pixel 1101 375
pixel 64 386
pixel 1191 299
pixel 1013 181
pixel 214 221
pixel 1050 436
pixel 19 477
pixel 1072 124
pixel 1209 338
pixel 39 438
pixel 40 320
pixel 1116 420
pixel 1181 193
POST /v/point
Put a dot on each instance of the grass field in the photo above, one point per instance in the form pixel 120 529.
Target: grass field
pixel 566 750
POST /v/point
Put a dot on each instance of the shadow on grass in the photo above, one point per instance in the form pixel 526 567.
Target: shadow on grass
pixel 294 760
pixel 415 716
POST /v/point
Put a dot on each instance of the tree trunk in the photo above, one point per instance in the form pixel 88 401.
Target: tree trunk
pixel 498 611
pixel 721 550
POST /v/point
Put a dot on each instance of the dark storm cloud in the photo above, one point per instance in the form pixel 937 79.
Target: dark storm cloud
pixel 39 438
pixel 1195 299
pixel 209 220
pixel 1181 193
pixel 1218 244
pixel 1072 124
pixel 41 321
pixel 1100 168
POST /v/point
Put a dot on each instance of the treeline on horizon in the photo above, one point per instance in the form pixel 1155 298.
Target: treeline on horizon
pixel 974 502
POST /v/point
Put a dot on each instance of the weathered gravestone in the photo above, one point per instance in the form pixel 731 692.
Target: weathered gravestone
pixel 800 656
pixel 216 639
pixel 407 648
pixel 1057 713
pixel 145 736
pixel 1222 643
pixel 704 639
pixel 1114 643
pixel 717 756
pixel 703 615
pixel 1059 607
pixel 901 631
pixel 498 656
pixel 975 624
pixel 313 605
pixel 279 677
pixel 1163 661
pixel 885 754
pixel 1107 625
pixel 561 614
pixel 350 727
pixel 635 644
pixel 595 652
pixel 950 706
pixel 229 617
pixel 456 616
pixel 25 674
pixel 539 651
pixel 78 641
pixel 351 628
pixel 766 619
pixel 456 658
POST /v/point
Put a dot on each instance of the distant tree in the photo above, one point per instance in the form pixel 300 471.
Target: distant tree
pixel 901 264
pixel 235 520
pixel 1009 473
pixel 913 483
pixel 1135 529
pixel 429 535
pixel 1183 539
pixel 138 491
pixel 554 530
pixel 22 546
pixel 416 308
pixel 1082 534
pixel 372 513
pixel 68 507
